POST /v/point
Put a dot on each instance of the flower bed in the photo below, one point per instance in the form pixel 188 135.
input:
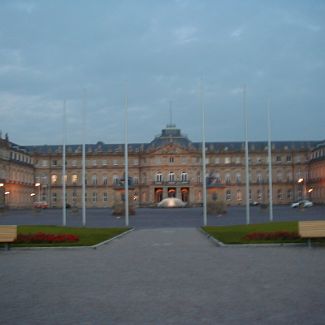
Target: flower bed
pixel 41 237
pixel 275 235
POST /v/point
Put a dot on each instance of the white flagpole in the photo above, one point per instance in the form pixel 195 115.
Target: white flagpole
pixel 64 211
pixel 83 196
pixel 126 163
pixel 246 157
pixel 204 189
pixel 270 162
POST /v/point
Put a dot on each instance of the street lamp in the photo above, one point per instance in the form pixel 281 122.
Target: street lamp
pixel 309 193
pixel 300 181
pixel 7 195
pixel 39 190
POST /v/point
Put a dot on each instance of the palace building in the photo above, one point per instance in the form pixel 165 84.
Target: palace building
pixel 168 166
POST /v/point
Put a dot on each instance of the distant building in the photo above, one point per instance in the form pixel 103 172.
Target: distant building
pixel 169 166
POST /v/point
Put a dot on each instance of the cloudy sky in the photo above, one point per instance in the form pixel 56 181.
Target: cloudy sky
pixel 156 51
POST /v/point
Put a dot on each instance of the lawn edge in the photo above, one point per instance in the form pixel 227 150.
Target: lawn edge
pixel 222 244
pixel 72 247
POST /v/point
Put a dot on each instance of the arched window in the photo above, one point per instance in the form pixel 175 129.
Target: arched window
pixel 171 177
pixel 184 177
pixel 159 177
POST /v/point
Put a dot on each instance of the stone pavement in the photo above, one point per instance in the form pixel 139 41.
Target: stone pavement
pixel 163 276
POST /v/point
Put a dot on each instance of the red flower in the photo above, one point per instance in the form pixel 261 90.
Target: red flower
pixel 41 237
pixel 283 235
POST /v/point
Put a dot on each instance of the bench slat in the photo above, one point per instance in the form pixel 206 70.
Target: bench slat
pixel 8 233
pixel 311 229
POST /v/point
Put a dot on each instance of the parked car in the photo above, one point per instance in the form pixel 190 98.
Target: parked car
pixel 40 205
pixel 302 204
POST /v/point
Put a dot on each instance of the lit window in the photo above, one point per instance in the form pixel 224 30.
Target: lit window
pixel 74 179
pixel 54 179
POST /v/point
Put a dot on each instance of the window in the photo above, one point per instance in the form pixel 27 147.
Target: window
pixel 54 179
pixel 115 180
pixel 237 160
pixel 184 177
pixel 239 195
pixel 54 162
pixel 115 162
pixel 228 195
pixel 94 197
pixel 105 196
pixel 94 179
pixel 227 160
pixel 44 163
pixel 217 160
pixel 279 176
pixel 104 162
pixel 159 177
pixel 135 162
pixel 54 197
pixel 171 177
pixel 238 180
pixel 184 160
pixel 288 158
pixel 94 163
pixel 289 194
pixel 259 178
pixel 171 159
pixel 280 195
pixel 227 178
pixel 74 179
pixel 74 163
pixel 278 158
pixel 105 180
pixel 259 195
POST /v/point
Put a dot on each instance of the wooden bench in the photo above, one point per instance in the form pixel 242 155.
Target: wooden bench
pixel 311 229
pixel 8 234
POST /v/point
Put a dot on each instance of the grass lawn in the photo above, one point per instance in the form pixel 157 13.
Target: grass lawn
pixel 87 236
pixel 235 234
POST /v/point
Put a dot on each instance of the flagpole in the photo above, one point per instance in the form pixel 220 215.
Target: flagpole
pixel 64 204
pixel 246 157
pixel 204 189
pixel 126 163
pixel 83 163
pixel 270 161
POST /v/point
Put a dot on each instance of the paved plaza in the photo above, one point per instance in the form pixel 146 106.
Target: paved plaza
pixel 163 276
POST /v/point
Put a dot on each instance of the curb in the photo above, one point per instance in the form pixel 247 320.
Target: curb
pixel 70 247
pixel 221 244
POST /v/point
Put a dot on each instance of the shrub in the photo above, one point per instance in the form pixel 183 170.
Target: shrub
pixel 41 237
pixel 281 235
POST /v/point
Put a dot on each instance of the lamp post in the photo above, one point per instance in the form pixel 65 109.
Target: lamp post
pixel 39 190
pixel 7 200
pixel 309 193
pixel 300 182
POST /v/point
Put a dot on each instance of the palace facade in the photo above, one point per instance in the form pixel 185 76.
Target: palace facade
pixel 169 166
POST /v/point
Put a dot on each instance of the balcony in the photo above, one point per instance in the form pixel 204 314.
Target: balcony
pixel 171 183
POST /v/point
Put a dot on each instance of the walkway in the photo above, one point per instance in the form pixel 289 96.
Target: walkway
pixel 163 276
